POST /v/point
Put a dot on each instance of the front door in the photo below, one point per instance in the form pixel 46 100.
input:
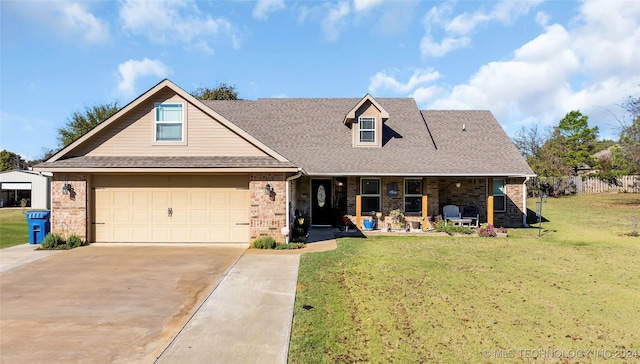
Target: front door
pixel 321 209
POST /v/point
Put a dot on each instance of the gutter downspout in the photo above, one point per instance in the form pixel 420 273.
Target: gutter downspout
pixel 287 198
pixel 524 202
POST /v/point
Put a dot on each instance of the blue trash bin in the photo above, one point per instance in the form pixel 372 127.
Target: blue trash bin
pixel 38 225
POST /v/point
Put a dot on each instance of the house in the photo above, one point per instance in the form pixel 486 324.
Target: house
pixel 170 168
pixel 30 186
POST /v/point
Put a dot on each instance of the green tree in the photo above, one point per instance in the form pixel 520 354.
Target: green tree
pixel 541 151
pixel 222 92
pixel 10 161
pixel 81 123
pixel 574 141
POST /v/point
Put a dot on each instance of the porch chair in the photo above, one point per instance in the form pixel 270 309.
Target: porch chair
pixel 472 212
pixel 451 212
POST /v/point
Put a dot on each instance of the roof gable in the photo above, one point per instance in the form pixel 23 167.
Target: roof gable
pixel 351 114
pixel 96 141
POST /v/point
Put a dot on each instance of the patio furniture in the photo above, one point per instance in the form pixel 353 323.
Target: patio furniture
pixel 461 222
pixel 472 212
pixel 450 212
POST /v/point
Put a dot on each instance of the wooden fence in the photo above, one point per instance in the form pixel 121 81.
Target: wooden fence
pixel 554 186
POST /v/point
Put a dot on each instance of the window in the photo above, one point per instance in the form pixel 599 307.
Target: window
pixel 370 195
pixel 499 196
pixel 412 195
pixel 367 129
pixel 169 123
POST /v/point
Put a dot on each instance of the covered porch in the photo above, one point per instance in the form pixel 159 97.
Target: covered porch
pixel 326 201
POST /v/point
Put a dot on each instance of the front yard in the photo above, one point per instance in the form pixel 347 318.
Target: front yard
pixel 571 294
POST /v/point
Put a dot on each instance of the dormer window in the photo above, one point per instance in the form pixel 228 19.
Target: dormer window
pixel 367 129
pixel 366 121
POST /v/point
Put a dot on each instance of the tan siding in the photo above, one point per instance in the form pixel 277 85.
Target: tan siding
pixel 368 109
pixel 133 135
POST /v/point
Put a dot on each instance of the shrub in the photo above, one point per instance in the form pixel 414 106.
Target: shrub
pixel 487 231
pixel 51 241
pixel 449 228
pixel 74 241
pixel 265 242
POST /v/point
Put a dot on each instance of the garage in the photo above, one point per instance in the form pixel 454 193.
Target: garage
pixel 171 208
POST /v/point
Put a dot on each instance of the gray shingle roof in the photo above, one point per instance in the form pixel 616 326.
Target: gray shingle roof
pixel 167 162
pixel 310 133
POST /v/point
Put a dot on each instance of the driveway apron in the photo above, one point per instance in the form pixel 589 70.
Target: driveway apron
pixel 105 304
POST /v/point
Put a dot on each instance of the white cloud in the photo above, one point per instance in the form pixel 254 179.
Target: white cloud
pixel 264 7
pixel 431 48
pixel 382 81
pixel 591 65
pixel 457 29
pixel 423 94
pixel 131 70
pixel 177 21
pixel 68 19
pixel 335 20
pixel 504 12
pixel 364 5
pixel 542 18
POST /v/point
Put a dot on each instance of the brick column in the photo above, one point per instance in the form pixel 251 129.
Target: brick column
pixel 268 211
pixel 69 212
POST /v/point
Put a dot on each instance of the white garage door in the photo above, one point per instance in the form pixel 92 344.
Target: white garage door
pixel 198 209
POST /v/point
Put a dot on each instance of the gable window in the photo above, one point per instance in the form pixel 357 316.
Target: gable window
pixel 412 195
pixel 367 129
pixel 169 122
pixel 499 196
pixel 370 194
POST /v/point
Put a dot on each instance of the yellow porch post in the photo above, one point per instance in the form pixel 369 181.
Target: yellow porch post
pixel 490 201
pixel 358 204
pixel 425 206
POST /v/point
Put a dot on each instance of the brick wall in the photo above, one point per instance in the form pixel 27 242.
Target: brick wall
pixel 69 212
pixel 513 217
pixel 268 212
pixel 472 192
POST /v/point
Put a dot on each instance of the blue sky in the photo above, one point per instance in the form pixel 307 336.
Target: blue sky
pixel 528 61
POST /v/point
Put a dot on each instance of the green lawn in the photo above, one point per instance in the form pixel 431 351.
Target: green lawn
pixel 473 300
pixel 14 229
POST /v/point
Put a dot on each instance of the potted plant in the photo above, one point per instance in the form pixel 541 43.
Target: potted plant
pixel 397 219
pixel 371 222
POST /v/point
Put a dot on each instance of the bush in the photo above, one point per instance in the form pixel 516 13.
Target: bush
pixel 450 228
pixel 487 231
pixel 265 242
pixel 51 241
pixel 74 241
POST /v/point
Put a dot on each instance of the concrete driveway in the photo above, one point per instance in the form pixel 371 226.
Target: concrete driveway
pixel 101 304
